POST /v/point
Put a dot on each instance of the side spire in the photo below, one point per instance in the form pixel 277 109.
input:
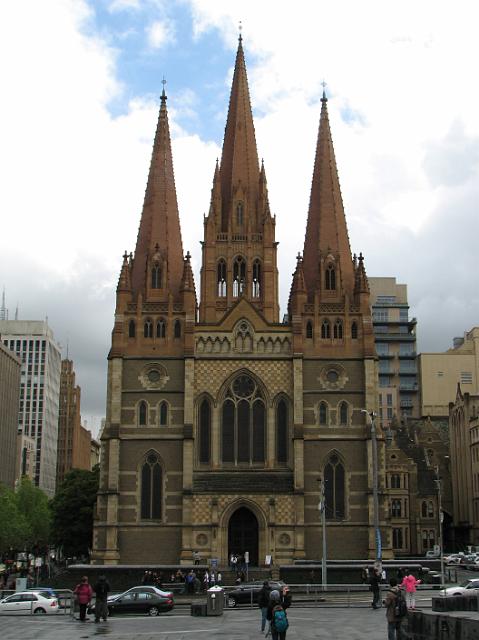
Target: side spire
pixel 326 231
pixel 159 235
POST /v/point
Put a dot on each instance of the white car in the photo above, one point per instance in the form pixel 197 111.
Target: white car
pixel 469 586
pixel 27 602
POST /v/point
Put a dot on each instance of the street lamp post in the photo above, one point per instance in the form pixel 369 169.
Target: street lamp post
pixel 377 530
pixel 440 516
pixel 322 511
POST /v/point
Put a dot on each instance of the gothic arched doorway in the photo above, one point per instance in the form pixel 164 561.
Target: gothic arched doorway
pixel 243 534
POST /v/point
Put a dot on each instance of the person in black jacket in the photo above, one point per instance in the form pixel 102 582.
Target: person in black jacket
pixel 101 589
pixel 263 602
pixel 280 601
pixel 374 580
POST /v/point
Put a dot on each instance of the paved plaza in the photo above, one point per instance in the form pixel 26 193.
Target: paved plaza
pixel 331 623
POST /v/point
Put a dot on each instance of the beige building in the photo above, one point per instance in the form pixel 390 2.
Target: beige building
pixel 395 337
pixel 440 374
pixel 94 453
pixel 464 434
pixel 10 368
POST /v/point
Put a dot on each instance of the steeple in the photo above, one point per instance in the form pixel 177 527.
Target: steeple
pixel 159 236
pixel 326 231
pixel 239 160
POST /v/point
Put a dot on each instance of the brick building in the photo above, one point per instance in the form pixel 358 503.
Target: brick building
pixel 221 419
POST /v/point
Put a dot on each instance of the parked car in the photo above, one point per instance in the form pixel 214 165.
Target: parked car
pixel 27 602
pixel 468 586
pixel 247 592
pixel 145 599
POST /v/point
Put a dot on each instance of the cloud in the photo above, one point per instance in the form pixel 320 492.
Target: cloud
pixel 123 5
pixel 160 33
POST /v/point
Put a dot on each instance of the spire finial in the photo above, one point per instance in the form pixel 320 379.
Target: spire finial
pixel 324 85
pixel 298 257
pixel 163 93
pixel 188 256
pixel 240 29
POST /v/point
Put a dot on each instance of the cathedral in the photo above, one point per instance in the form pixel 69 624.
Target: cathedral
pixel 226 424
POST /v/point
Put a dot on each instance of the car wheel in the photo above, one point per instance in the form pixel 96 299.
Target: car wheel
pixel 40 611
pixel 153 611
pixel 231 602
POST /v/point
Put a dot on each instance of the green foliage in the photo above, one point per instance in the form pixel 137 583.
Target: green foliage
pixel 33 505
pixel 72 509
pixel 15 531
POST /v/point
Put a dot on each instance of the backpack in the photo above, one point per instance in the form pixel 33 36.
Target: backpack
pixel 280 621
pixel 400 606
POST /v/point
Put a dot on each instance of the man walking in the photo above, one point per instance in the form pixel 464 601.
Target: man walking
pixel 101 589
pixel 263 602
pixel 374 580
pixel 393 610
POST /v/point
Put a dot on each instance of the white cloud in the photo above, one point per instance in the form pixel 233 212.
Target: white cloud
pixel 159 33
pixel 123 5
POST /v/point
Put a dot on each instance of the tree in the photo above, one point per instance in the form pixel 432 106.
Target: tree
pixel 14 530
pixel 72 509
pixel 33 505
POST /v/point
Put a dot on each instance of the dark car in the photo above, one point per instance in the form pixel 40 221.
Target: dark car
pixel 247 592
pixel 139 600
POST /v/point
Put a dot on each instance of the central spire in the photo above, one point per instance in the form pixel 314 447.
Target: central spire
pixel 239 161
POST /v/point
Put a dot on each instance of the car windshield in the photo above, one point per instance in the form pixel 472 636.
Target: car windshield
pixel 467 583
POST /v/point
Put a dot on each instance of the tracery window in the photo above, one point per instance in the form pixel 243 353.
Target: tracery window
pixel 131 329
pixel 396 508
pixel 151 488
pixel 338 330
pixel 239 214
pixel 325 329
pixel 148 329
pixel 221 278
pixel 323 413
pixel 204 432
pixel 343 413
pixel 243 423
pixel 309 329
pixel 239 276
pixel 354 331
pixel 177 329
pixel 161 328
pixel 256 284
pixel 330 278
pixel 334 490
pixel 156 277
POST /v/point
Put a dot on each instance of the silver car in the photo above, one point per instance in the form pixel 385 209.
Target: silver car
pixel 28 602
pixel 468 586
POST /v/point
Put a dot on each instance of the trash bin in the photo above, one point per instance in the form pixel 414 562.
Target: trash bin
pixel 215 601
pixel 198 609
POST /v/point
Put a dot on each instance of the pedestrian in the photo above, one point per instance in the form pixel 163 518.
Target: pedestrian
pixel 276 614
pixel 219 578
pixel 196 557
pixel 410 583
pixel 364 575
pixel 400 575
pixel 263 602
pixel 206 580
pixel 101 589
pixel 83 593
pixel 394 612
pixel 212 579
pixel 374 580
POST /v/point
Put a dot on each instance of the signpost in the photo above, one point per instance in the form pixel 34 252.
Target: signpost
pixel 246 561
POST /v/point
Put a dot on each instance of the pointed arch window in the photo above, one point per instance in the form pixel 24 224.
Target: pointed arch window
pixel 161 328
pixel 156 277
pixel 221 278
pixel 151 488
pixel 309 329
pixel 334 478
pixel 338 330
pixel 325 329
pixel 142 414
pixel 131 329
pixel 239 214
pixel 343 413
pixel 177 329
pixel 282 432
pixel 396 508
pixel 148 329
pixel 323 413
pixel 330 277
pixel 243 423
pixel 204 432
pixel 239 276
pixel 256 284
pixel 163 414
pixel 354 331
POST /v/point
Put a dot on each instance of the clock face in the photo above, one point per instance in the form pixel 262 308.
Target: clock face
pixel 243 387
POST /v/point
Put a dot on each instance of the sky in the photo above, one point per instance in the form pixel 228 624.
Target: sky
pixel 81 81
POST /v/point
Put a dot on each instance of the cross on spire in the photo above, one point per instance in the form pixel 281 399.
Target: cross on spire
pixel 324 84
pixel 240 29
pixel 163 93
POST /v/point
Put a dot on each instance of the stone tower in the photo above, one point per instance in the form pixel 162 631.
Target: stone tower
pixel 219 426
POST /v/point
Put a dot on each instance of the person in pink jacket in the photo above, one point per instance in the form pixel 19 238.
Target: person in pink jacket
pixel 410 583
pixel 83 593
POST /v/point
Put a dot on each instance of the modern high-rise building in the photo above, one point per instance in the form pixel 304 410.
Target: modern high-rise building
pixel 395 336
pixel 10 367
pixel 221 422
pixel 33 342
pixel 74 442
